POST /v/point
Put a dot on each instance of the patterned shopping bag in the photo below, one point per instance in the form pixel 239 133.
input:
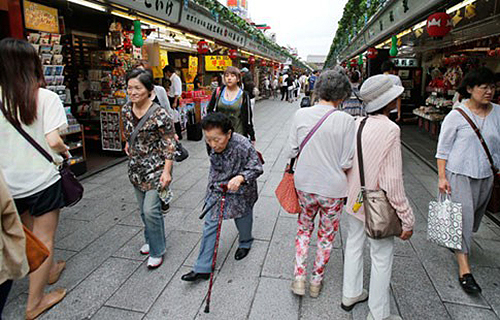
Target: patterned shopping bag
pixel 445 223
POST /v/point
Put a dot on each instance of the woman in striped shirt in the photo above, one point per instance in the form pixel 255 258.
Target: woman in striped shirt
pixel 383 170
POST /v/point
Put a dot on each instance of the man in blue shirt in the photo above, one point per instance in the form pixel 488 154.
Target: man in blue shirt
pixel 312 81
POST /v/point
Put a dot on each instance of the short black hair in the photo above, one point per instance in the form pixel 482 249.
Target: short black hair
pixel 475 77
pixel 217 120
pixel 169 68
pixel 387 66
pixel 355 76
pixel 144 76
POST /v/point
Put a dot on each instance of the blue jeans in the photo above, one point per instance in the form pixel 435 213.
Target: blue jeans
pixel 244 225
pixel 154 226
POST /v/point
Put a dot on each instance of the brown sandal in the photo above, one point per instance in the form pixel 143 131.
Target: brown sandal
pixel 59 294
pixel 54 277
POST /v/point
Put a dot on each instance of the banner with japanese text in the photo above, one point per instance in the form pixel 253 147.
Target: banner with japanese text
pixel 217 63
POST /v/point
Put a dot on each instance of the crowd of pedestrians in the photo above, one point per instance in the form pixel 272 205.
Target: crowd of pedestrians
pixel 328 142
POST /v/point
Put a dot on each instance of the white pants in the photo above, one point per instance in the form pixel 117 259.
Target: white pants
pixel 381 254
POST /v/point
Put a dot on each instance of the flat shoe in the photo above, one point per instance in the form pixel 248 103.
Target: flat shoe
pixel 299 287
pixel 193 276
pixel 59 294
pixel 314 290
pixel 469 284
pixel 349 303
pixel 54 277
pixel 241 253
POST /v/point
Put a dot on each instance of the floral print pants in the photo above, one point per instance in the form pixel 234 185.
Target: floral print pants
pixel 329 211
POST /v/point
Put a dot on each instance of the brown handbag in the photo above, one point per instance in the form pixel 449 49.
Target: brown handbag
pixel 494 203
pixel 381 219
pixel 36 251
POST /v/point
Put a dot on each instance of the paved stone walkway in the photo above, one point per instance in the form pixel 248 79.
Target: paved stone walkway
pixel 107 278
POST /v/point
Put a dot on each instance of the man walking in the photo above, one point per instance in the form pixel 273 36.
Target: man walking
pixel 174 95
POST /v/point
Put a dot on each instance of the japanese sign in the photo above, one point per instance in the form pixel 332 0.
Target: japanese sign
pixel 217 63
pixel 42 18
pixel 168 10
pixel 405 62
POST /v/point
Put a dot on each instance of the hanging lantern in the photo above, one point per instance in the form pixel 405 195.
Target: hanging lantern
pixel 360 60
pixel 439 24
pixel 203 47
pixel 354 62
pixel 137 40
pixel 233 54
pixel 282 66
pixel 372 53
pixel 251 60
pixel 492 53
pixel 263 63
pixel 394 48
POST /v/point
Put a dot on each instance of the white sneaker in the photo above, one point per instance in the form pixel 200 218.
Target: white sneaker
pixel 154 262
pixel 391 317
pixel 349 303
pixel 145 249
pixel 299 287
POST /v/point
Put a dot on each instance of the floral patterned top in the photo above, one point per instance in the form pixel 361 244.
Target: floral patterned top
pixel 239 158
pixel 154 144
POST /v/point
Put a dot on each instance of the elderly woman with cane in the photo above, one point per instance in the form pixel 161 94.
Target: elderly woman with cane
pixel 233 162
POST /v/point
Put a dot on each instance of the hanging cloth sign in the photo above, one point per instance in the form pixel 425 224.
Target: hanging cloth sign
pixel 217 63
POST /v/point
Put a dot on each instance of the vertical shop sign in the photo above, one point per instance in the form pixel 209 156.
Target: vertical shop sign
pixel 41 18
pixel 168 10
pixel 193 66
pixel 217 63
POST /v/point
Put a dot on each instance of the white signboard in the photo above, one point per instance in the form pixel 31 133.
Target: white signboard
pixel 168 10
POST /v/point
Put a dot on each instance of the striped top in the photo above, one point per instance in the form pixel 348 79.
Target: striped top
pixel 383 164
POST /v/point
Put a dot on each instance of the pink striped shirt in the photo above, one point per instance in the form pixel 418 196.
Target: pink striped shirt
pixel 383 165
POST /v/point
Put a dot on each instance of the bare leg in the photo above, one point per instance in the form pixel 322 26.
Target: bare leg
pixel 463 263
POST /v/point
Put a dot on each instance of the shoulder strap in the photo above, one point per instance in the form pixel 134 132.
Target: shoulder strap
pixel 143 120
pixel 360 153
pixel 26 136
pixel 315 128
pixel 481 139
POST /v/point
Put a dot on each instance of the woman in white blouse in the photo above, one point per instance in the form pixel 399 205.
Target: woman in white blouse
pixel 464 169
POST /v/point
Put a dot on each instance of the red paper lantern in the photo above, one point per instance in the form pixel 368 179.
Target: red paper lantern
pixel 492 53
pixel 439 24
pixel 371 53
pixel 203 47
pixel 263 63
pixel 233 54
pixel 251 59
pixel 281 66
pixel 354 62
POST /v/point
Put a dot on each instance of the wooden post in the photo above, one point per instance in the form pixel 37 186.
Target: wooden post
pixel 15 15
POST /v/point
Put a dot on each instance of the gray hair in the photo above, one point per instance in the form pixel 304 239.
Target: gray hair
pixel 332 85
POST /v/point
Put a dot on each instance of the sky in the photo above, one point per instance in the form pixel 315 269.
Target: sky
pixel 308 25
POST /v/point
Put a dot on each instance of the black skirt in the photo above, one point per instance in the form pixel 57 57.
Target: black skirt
pixel 49 199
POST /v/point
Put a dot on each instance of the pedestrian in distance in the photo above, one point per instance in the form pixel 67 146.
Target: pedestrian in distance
pixel 235 163
pixel 234 102
pixel 389 69
pixel 275 87
pixel 290 85
pixel 34 183
pixel 464 169
pixel 174 96
pixel 320 174
pixel 150 147
pixel 284 87
pixel 383 169
pixel 248 85
pixel 354 105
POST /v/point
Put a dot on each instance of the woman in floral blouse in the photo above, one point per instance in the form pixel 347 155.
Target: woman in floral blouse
pixel 233 161
pixel 151 157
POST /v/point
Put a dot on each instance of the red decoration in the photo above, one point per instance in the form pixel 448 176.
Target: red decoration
pixel 203 47
pixel 354 62
pixel 372 53
pixel 276 65
pixel 233 54
pixel 251 59
pixel 281 66
pixel 263 63
pixel 439 24
pixel 492 53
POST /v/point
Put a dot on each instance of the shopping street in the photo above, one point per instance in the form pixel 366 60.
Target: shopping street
pixel 107 278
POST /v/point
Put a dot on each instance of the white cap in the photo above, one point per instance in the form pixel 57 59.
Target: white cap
pixel 378 91
pixel 244 70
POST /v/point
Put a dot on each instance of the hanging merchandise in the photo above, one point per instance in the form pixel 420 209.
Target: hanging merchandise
pixel 251 60
pixel 233 54
pixel 371 53
pixel 354 62
pixel 137 40
pixel 439 24
pixel 203 47
pixel 263 63
pixel 186 4
pixel 394 48
pixel 360 60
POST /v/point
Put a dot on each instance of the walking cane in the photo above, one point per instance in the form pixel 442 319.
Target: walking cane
pixel 216 248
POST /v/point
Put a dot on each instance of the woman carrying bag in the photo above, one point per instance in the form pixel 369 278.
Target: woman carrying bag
pixel 324 137
pixel 465 171
pixel 34 182
pixel 383 170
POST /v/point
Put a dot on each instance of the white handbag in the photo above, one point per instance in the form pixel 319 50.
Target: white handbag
pixel 444 224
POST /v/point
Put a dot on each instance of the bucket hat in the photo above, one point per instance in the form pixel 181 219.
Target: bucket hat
pixel 378 91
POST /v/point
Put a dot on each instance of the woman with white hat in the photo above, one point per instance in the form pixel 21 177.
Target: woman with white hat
pixel 383 169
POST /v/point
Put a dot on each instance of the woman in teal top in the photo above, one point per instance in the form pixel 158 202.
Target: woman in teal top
pixel 232 101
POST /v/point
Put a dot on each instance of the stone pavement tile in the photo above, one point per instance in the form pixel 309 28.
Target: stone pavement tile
pixel 191 221
pixel 131 249
pixel 189 179
pixel 86 261
pixel 237 281
pixel 272 182
pixel 189 200
pixel 485 253
pixel 281 254
pixel 132 219
pixel 489 281
pixel 180 299
pixel 266 212
pixel 360 311
pixel 488 230
pixel 414 291
pixel 141 290
pixel 16 308
pixel 68 226
pixel 98 226
pixel 107 313
pixel 327 305
pixel 403 248
pixel 274 300
pixel 459 312
pixel 200 186
pixel 88 297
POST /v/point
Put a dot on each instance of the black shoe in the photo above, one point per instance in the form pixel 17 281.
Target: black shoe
pixel 193 276
pixel 469 284
pixel 241 253
pixel 165 207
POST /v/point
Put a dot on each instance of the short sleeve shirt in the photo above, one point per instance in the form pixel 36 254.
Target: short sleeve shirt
pixel 26 171
pixel 176 87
